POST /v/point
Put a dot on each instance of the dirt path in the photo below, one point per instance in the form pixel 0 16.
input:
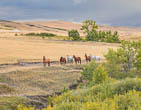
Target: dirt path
pixel 6 68
pixel 10 68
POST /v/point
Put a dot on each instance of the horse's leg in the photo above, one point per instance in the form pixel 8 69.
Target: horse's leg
pixel 71 61
pixel 44 64
pixel 48 63
pixel 65 61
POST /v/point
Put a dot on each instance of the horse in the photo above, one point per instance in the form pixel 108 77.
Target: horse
pixel 69 59
pixel 88 58
pixel 62 60
pixel 77 59
pixel 96 58
pixel 46 61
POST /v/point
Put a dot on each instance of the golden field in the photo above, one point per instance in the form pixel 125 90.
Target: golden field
pixel 29 80
pixel 33 49
pixel 26 48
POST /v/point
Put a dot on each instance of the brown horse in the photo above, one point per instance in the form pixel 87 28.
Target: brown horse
pixel 88 58
pixel 46 61
pixel 77 59
pixel 62 60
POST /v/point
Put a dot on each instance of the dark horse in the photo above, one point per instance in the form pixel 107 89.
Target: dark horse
pixel 62 60
pixel 46 61
pixel 77 59
pixel 88 58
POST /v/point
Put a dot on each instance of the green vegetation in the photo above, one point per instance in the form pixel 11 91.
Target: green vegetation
pixel 112 85
pixel 102 36
pixel 74 34
pixel 99 97
pixel 125 62
pixel 11 102
pixel 43 35
pixel 90 27
pixel 47 35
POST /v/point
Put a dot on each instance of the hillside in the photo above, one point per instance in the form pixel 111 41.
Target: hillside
pixel 62 27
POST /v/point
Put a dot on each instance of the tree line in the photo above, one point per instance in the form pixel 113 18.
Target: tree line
pixel 89 27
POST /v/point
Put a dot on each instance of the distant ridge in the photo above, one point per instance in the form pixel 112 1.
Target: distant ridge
pixel 61 28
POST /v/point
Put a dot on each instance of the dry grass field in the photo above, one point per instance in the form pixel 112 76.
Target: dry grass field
pixel 32 86
pixel 17 82
pixel 32 48
pixel 13 48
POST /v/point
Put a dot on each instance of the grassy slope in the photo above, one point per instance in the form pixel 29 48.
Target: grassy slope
pixel 42 81
pixel 11 102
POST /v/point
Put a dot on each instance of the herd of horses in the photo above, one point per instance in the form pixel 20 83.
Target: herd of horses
pixel 71 59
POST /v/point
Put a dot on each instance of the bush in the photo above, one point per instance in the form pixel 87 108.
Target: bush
pixel 102 36
pixel 74 34
pixel 100 75
pixel 138 61
pixel 129 101
pixel 88 70
pixel 100 97
pixel 41 34
pixel 117 95
pixel 123 87
pixel 22 107
pixel 124 62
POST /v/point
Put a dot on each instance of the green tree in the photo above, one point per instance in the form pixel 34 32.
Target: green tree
pixel 125 61
pixel 90 29
pixel 88 26
pixel 74 34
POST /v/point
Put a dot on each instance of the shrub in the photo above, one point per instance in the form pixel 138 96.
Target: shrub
pixel 123 87
pixel 22 107
pixel 129 101
pixel 41 34
pixel 138 61
pixel 117 95
pixel 99 75
pixel 102 36
pixel 88 70
pixel 112 38
pixel 99 97
pixel 124 62
pixel 74 34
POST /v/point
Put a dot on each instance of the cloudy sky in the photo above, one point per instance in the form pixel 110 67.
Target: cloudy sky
pixel 113 12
